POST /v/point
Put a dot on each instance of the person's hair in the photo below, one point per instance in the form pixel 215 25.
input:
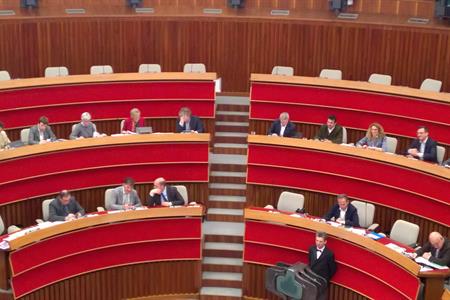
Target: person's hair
pixel 85 116
pixel 380 131
pixel 424 128
pixel 2 126
pixel 332 118
pixel 342 196
pixel 129 181
pixel 43 120
pixel 184 111
pixel 284 116
pixel 134 111
pixel 63 193
pixel 321 234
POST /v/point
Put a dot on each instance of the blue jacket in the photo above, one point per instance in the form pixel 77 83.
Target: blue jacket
pixel 351 215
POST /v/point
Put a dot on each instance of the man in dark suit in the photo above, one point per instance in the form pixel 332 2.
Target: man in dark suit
pixel 186 122
pixel 283 127
pixel 41 133
pixel 64 208
pixel 437 250
pixel 423 148
pixel 321 259
pixel 164 195
pixel 343 212
pixel 330 132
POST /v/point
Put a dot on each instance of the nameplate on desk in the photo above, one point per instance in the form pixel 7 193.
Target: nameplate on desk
pixel 7 12
pixel 213 11
pixel 418 21
pixel 348 16
pixel 279 12
pixel 75 11
pixel 144 10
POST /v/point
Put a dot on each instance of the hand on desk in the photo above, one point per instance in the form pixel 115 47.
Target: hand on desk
pixel 70 217
pixel 427 255
pixel 166 204
pixel 413 152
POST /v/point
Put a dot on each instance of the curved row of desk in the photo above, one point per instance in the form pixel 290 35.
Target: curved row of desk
pixel 97 242
pixel 364 266
pixel 108 97
pixel 410 187
pixel 38 171
pixel 309 100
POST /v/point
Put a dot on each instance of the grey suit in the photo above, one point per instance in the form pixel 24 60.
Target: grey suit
pixel 59 212
pixel 119 198
pixel 34 138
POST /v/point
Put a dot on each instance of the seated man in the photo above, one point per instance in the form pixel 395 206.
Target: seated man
pixel 164 195
pixel 41 133
pixel 320 258
pixel 437 250
pixel 423 148
pixel 4 140
pixel 125 196
pixel 330 132
pixel 84 129
pixel 283 127
pixel 343 212
pixel 186 122
pixel 64 208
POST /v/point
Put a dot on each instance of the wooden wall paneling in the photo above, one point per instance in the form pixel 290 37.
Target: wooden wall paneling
pixel 318 204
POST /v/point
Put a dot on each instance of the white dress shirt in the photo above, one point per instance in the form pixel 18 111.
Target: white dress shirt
pixel 283 128
pixel 342 214
pixel 422 148
pixel 330 130
pixel 319 252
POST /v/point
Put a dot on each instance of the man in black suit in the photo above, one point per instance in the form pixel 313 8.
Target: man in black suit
pixel 164 195
pixel 186 122
pixel 437 250
pixel 320 258
pixel 64 208
pixel 423 148
pixel 283 127
pixel 330 132
pixel 343 212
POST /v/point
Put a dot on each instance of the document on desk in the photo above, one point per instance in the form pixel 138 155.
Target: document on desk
pixel 395 247
pixel 423 261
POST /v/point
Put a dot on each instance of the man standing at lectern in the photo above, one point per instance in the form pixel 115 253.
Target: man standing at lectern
pixel 321 259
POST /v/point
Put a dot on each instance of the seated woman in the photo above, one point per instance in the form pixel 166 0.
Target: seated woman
pixel 4 140
pixel 133 122
pixel 374 139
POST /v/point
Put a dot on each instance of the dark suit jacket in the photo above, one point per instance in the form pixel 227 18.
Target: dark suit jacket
pixel 33 138
pixel 172 194
pixel 290 130
pixel 335 136
pixel 194 124
pixel 430 153
pixel 443 258
pixel 325 266
pixel 351 215
pixel 58 212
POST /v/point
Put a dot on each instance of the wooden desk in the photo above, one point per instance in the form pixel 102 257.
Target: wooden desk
pixel 89 166
pixel 400 188
pixel 109 98
pixel 68 252
pixel 364 267
pixel 309 100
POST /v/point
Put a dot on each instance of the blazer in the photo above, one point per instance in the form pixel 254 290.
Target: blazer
pixel 194 124
pixel 172 194
pixel 33 137
pixel 118 199
pixel 378 142
pixel 290 130
pixel 335 136
pixel 128 124
pixel 325 266
pixel 430 153
pixel 351 215
pixel 443 257
pixel 4 140
pixel 59 212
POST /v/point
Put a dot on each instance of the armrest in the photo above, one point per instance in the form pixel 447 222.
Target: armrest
pixel 13 228
pixel 39 221
pixel 100 209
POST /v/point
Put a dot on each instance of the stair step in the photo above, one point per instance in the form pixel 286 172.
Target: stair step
pixel 222 276
pixel 227 198
pixel 220 291
pixel 231 118
pixel 222 268
pixel 226 204
pixel 223 239
pixel 226 128
pixel 228 186
pixel 226 179
pixel 223 261
pixel 228 167
pixel 232 113
pixel 227 192
pixel 224 246
pixel 230 145
pixel 237 151
pixel 233 100
pixel 223 228
pixel 225 211
pixel 233 134
pixel 228 174
pixel 228 159
pixel 228 123
pixel 232 107
pixel 230 140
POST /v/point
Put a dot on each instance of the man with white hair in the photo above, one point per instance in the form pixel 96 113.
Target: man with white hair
pixel 163 194
pixel 84 129
pixel 437 250
pixel 283 127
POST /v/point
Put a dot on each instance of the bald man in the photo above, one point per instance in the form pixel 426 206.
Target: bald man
pixel 437 250
pixel 164 195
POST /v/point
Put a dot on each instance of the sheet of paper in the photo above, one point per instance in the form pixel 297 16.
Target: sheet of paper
pixel 421 260
pixel 396 248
